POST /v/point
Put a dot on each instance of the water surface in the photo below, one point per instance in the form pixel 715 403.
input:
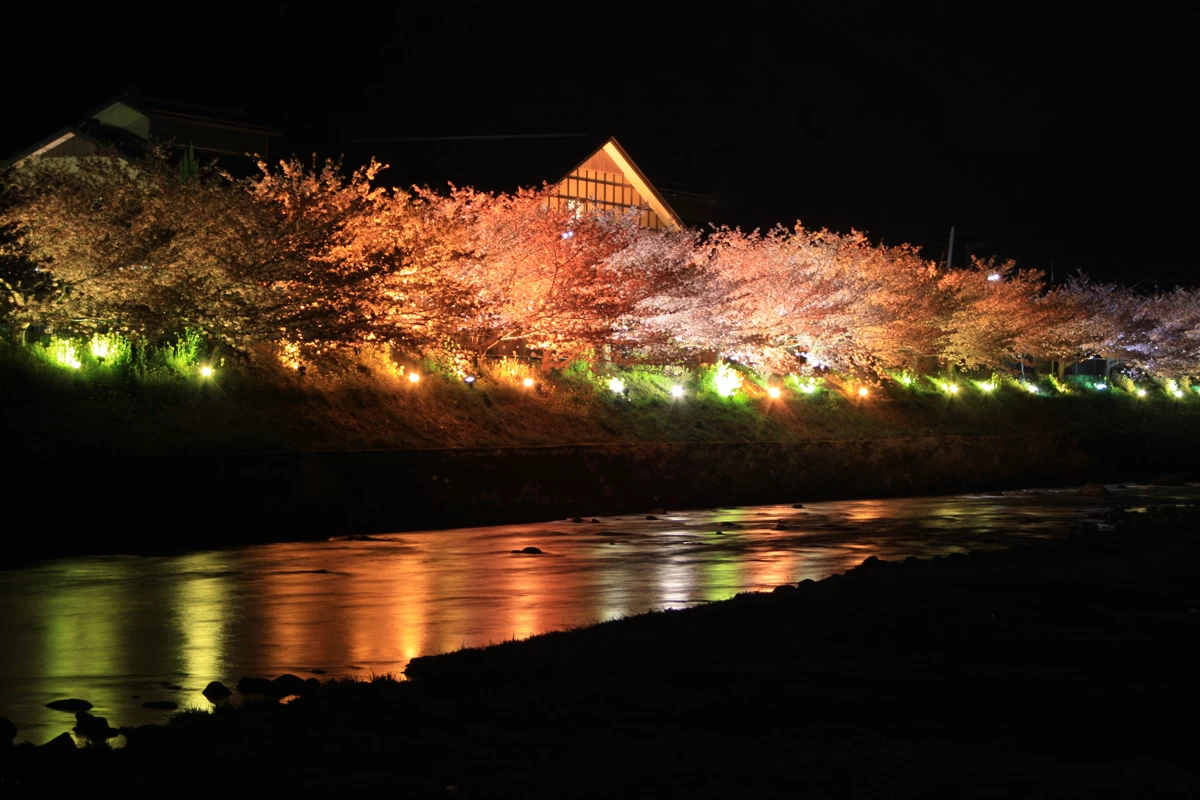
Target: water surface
pixel 106 628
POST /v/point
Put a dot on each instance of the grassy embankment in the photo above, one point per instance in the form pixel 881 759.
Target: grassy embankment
pixel 1060 669
pixel 167 407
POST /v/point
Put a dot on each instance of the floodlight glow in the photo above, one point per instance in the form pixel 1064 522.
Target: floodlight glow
pixel 863 391
pixel 726 380
pixel 1141 392
pixel 906 380
pixel 1100 387
pixel 100 347
pixel 64 353
pixel 995 276
pixel 413 377
pixel 676 391
pixel 952 388
pixel 527 382
pixel 206 372
pixel 1029 387
pixel 616 385
pixel 469 379
pixel 1178 392
pixel 808 388
pixel 773 392
pixel 988 386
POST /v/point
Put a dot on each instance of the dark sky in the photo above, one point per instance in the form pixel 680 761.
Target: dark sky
pixel 1070 146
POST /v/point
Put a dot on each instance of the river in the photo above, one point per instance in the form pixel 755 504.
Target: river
pixel 121 630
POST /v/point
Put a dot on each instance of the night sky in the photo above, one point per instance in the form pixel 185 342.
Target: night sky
pixel 1072 149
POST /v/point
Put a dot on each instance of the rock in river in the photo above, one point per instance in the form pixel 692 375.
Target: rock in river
pixel 71 704
pixel 1093 489
pixel 62 744
pixel 1168 480
pixel 216 691
pixel 93 727
pixel 529 551
pixel 287 684
pixel 254 686
pixel 161 705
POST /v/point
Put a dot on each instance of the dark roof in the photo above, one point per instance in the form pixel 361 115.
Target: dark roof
pixel 201 115
pixel 488 163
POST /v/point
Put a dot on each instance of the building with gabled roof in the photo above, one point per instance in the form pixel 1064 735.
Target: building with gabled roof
pixel 605 177
pixel 128 124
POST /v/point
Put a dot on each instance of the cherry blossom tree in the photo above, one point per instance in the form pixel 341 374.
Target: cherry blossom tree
pixel 561 279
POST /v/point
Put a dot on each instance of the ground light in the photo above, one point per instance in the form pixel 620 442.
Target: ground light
pixel 808 388
pixel 987 386
pixel 413 377
pixel 616 385
pixel 676 391
pixel 206 371
pixel 527 382
pixel 952 388
pixel 726 380
pixel 863 391
pixel 1100 387
pixel 99 348
pixel 773 392
pixel 469 381
pixel 1029 387
pixel 64 353
pixel 1178 393
pixel 1141 392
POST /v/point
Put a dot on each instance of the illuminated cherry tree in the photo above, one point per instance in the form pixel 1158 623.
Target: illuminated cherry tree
pixel 560 279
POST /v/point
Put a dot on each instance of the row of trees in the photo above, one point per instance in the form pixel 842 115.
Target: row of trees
pixel 312 258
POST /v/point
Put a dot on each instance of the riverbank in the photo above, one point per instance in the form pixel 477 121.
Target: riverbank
pixel 153 504
pixel 1046 670
pixel 164 464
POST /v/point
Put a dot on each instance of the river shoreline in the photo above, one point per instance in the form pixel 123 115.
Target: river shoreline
pixel 169 503
pixel 1049 669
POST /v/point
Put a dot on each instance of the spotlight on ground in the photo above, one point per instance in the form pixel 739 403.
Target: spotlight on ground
pixel 527 382
pixel 773 392
pixel 413 377
pixel 206 372
pixel 676 391
pixel 863 391
pixel 616 385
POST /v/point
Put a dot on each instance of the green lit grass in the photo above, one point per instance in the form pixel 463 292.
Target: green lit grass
pixel 153 400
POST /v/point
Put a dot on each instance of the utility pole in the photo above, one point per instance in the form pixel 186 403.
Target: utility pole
pixel 950 252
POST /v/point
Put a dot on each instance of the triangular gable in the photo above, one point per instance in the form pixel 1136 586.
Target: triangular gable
pixel 609 178
pixel 123 115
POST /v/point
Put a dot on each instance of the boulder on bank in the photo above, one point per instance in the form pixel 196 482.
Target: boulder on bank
pixel 62 744
pixel 1171 479
pixel 216 691
pixel 8 730
pixel 287 684
pixel 70 704
pixel 1093 489
pixel 529 551
pixel 93 727
pixel 254 686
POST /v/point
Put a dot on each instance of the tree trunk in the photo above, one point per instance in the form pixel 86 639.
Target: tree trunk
pixel 18 332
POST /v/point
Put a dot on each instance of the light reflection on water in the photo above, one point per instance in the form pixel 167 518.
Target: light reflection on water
pixel 107 628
